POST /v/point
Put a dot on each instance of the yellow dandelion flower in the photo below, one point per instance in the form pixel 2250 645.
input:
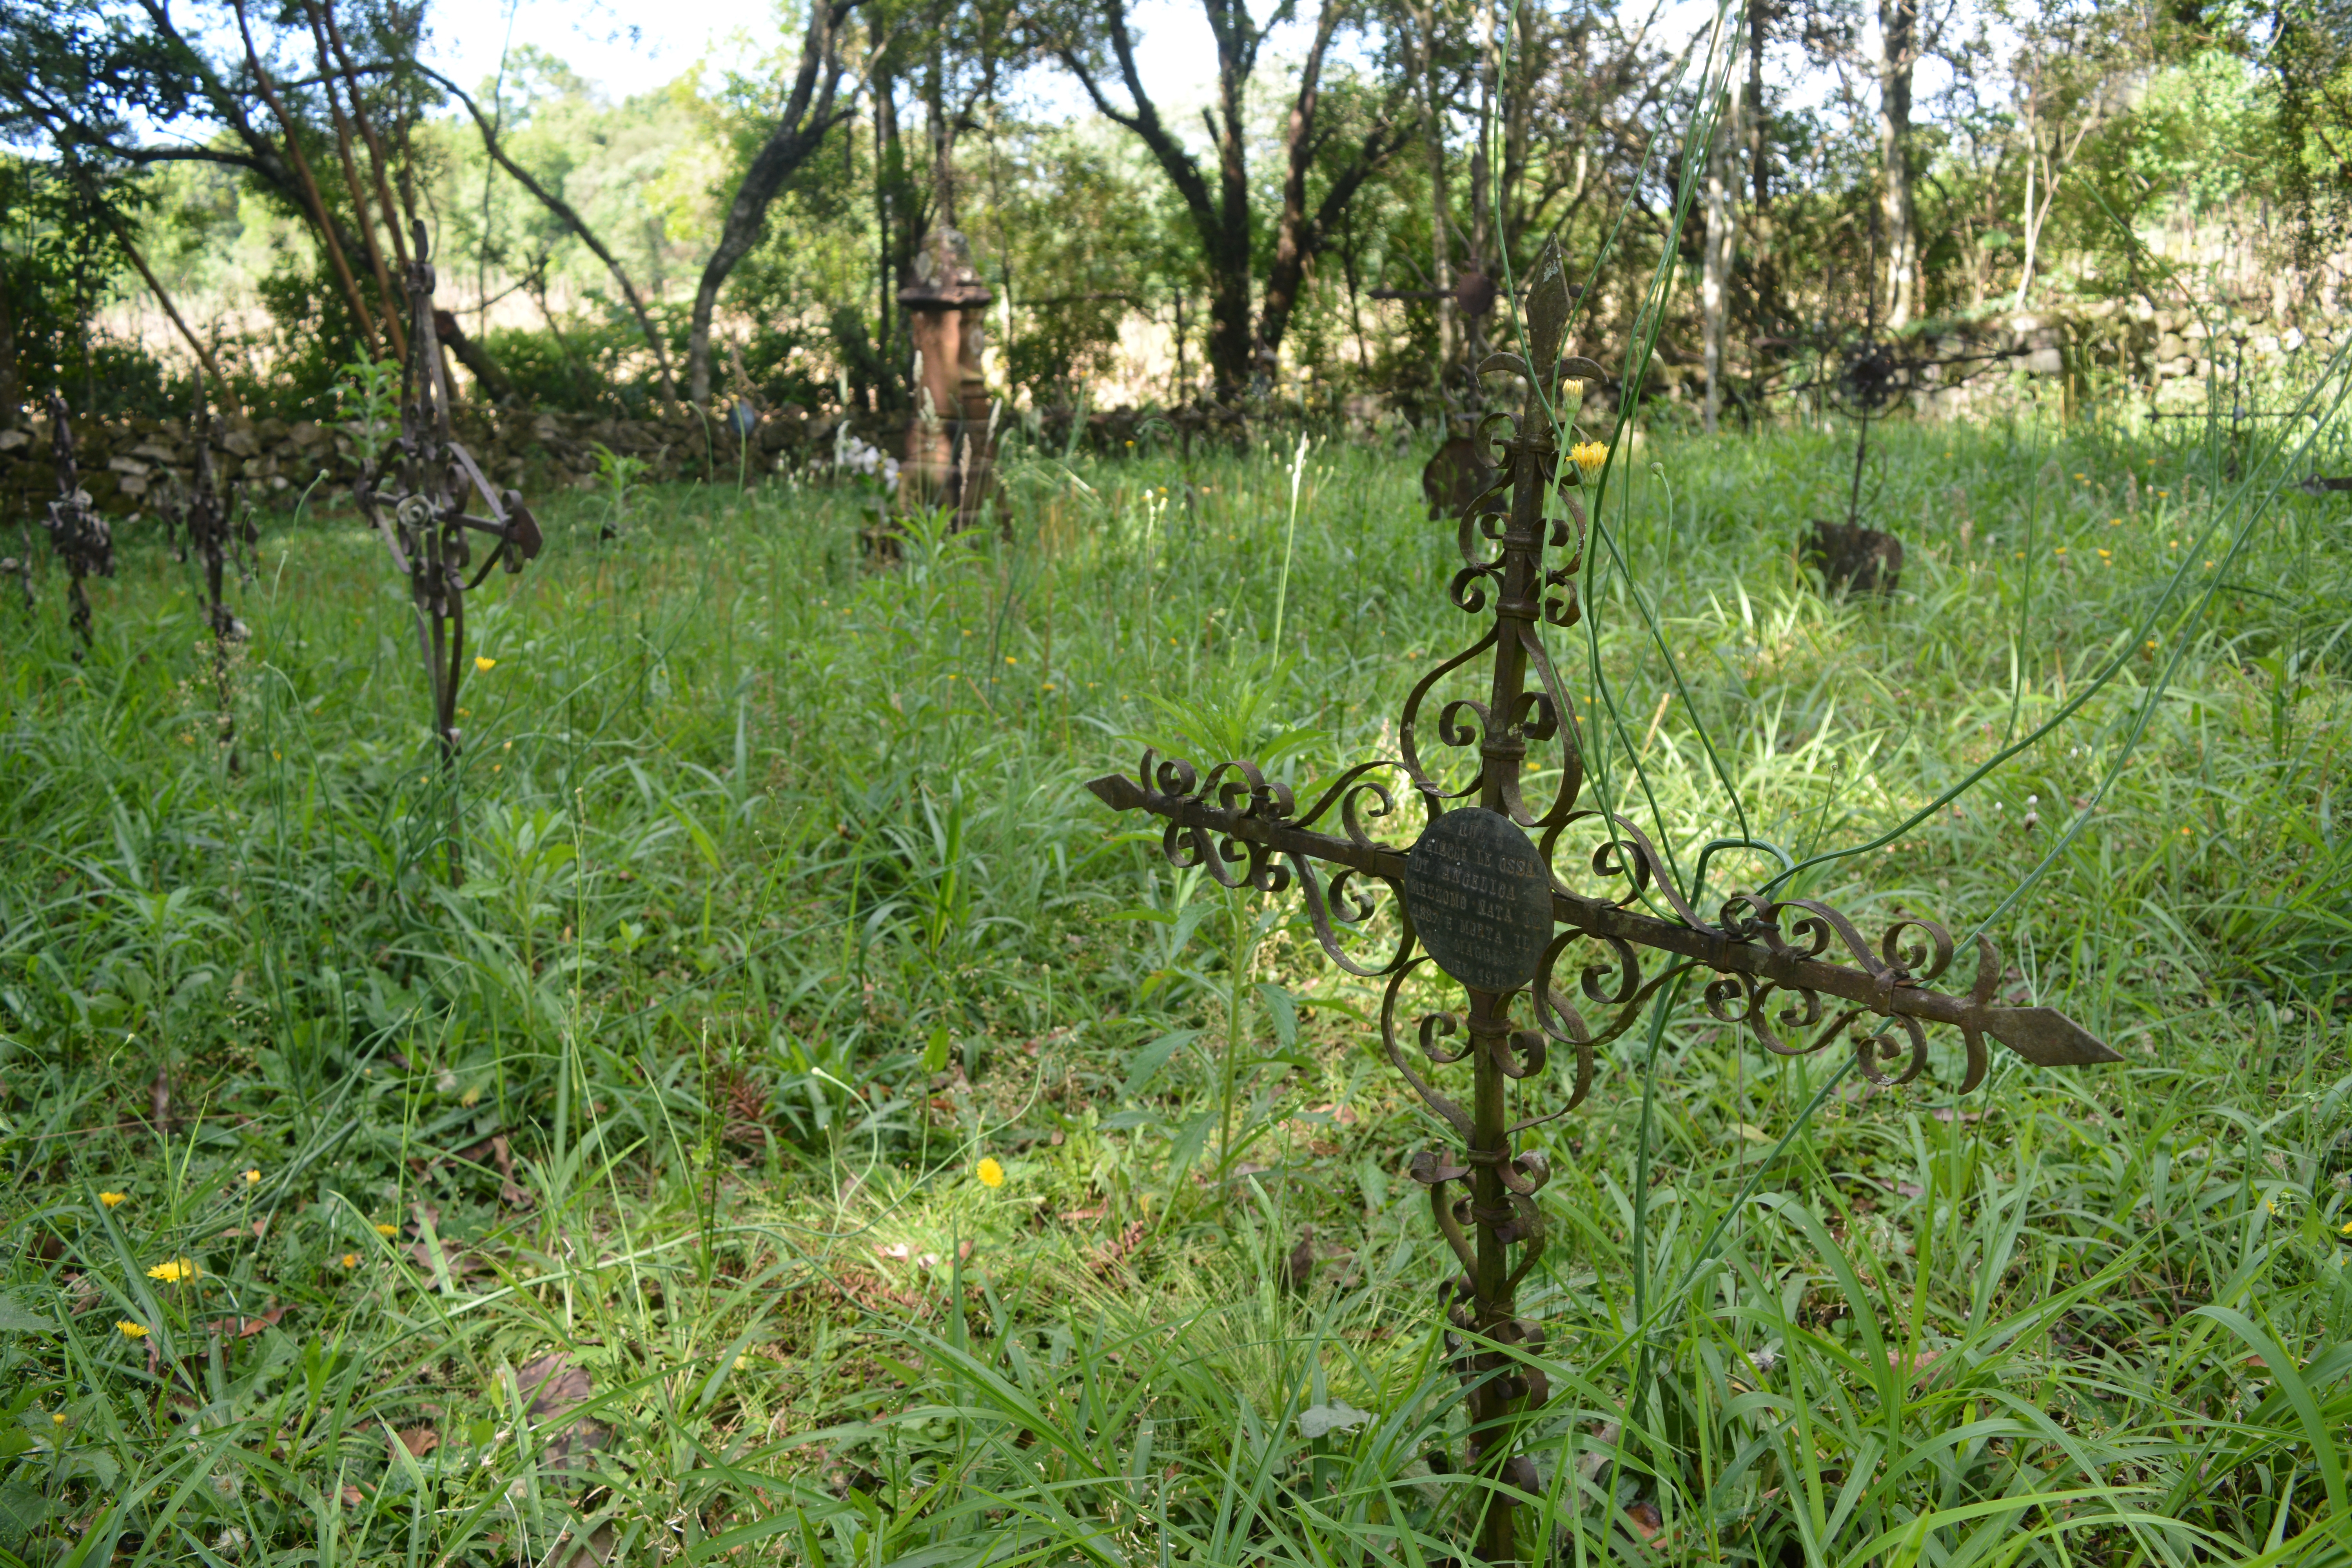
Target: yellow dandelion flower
pixel 991 1173
pixel 110 1199
pixel 2347 1228
pixel 351 1260
pixel 252 1178
pixel 387 1230
pixel 485 665
pixel 2082 476
pixel 172 1270
pixel 57 1418
pixel 131 1330
pixel 1589 456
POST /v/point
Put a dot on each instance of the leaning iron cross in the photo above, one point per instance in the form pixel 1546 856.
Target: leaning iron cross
pixel 1479 897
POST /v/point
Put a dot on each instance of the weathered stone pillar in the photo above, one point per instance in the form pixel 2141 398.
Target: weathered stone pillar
pixel 951 437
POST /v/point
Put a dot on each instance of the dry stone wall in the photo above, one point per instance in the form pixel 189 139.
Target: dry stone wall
pixel 129 466
pixel 2164 354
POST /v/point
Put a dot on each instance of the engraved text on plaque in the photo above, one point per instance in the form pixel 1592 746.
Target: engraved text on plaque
pixel 1480 899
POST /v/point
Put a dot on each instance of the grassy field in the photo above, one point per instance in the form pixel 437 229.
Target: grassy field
pixel 803 1137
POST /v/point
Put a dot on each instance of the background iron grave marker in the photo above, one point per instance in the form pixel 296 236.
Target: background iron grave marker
pixel 1480 896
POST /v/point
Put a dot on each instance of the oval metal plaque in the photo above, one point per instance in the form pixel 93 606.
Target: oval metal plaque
pixel 1480 899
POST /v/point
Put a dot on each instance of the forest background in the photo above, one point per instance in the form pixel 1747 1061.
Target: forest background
pixel 1305 228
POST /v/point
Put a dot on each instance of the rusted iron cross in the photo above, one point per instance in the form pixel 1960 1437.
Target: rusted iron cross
pixel 1478 897
pixel 417 495
pixel 82 538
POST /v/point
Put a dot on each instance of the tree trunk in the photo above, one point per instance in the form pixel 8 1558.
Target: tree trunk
pixel 2033 229
pixel 12 396
pixel 1295 239
pixel 388 298
pixel 1715 281
pixel 1230 338
pixel 1759 168
pixel 1899 29
pixel 799 131
pixel 1221 215
pixel 1482 195
pixel 942 128
pixel 1440 206
pixel 488 374
pixel 888 169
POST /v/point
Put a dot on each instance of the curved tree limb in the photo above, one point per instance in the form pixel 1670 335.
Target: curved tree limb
pixel 360 314
pixel 204 353
pixel 1300 235
pixel 377 159
pixel 799 131
pixel 390 301
pixel 572 220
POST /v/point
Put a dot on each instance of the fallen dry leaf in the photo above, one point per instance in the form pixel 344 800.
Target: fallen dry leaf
pixel 245 1328
pixel 1918 1366
pixel 1111 1254
pixel 418 1440
pixel 1646 1518
pixel 593 1550
pixel 510 1193
pixel 554 1385
pixel 353 1497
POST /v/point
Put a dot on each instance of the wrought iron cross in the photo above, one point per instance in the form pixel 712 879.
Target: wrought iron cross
pixel 1478 898
pixel 433 480
pixel 214 534
pixel 79 534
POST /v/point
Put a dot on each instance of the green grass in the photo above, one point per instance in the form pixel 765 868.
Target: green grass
pixel 785 907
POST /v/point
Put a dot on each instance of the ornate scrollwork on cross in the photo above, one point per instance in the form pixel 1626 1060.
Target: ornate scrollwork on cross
pixel 1477 896
pixel 420 494
pixel 201 523
pixel 82 539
